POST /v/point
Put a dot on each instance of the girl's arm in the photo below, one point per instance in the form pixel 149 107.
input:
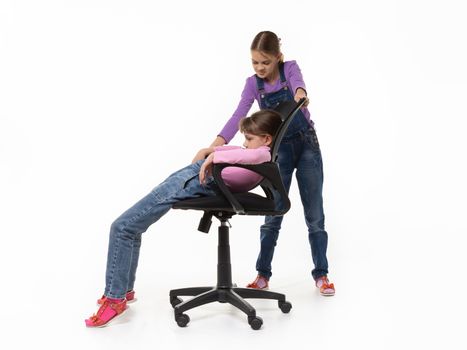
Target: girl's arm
pixel 299 94
pixel 234 155
pixel 295 78
pixel 206 169
pixel 231 127
pixel 225 148
pixel 218 141
pixel 246 101
pixel 240 155
pixel 203 153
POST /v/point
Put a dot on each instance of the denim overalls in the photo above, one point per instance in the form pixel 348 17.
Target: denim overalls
pixel 299 150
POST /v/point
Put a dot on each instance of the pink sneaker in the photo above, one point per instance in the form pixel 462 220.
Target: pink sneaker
pixel 108 311
pixel 259 283
pixel 325 288
pixel 130 298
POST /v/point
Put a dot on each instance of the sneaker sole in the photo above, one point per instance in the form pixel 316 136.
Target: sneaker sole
pixel 327 294
pixel 267 288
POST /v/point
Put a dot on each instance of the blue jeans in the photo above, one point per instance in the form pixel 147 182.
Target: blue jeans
pixel 125 232
pixel 299 151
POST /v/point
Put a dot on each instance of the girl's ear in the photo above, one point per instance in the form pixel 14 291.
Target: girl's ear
pixel 268 140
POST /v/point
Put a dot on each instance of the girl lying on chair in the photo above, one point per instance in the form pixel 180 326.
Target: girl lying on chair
pixel 190 182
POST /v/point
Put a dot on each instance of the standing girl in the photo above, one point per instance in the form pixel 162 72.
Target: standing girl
pixel 276 81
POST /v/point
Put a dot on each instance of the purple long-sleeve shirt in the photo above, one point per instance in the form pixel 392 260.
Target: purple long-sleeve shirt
pixel 250 93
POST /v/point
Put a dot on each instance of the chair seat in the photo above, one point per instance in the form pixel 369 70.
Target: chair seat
pixel 252 203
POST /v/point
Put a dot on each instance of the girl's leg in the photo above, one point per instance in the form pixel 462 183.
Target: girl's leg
pixel 125 242
pixel 310 182
pixel 269 231
pixel 126 231
pixel 134 263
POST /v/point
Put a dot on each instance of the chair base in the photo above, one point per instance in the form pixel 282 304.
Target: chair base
pixel 225 291
pixel 232 295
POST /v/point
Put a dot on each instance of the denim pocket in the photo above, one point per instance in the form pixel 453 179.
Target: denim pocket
pixel 312 139
pixel 187 181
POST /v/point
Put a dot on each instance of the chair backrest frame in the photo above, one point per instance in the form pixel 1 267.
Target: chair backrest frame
pixel 287 110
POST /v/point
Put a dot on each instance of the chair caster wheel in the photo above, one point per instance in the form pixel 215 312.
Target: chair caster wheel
pixel 285 306
pixel 182 320
pixel 255 322
pixel 175 301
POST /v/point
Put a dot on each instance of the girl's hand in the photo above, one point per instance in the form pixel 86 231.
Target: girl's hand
pixel 202 154
pixel 206 169
pixel 300 93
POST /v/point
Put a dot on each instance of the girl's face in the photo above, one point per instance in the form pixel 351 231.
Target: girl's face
pixel 265 65
pixel 255 141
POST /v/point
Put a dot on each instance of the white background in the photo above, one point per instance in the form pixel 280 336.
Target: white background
pixel 101 100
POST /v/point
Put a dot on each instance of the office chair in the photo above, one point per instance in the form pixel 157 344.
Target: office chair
pixel 223 207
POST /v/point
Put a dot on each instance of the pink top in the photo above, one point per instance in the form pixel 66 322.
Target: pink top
pixel 239 179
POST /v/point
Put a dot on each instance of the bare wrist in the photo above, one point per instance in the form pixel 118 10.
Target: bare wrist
pixel 300 88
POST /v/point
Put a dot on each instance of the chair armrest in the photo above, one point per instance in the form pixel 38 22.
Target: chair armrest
pixel 269 170
pixel 216 173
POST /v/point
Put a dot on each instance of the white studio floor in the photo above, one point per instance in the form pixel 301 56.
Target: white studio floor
pixel 375 309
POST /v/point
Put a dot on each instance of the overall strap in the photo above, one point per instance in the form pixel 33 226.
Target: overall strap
pixel 259 84
pixel 282 73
